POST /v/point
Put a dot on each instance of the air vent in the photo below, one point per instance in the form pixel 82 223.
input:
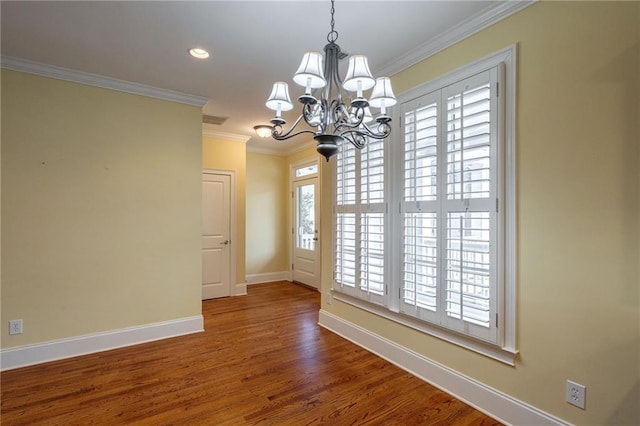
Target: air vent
pixel 212 119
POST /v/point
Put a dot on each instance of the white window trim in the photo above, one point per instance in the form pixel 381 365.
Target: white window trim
pixel 301 164
pixel 506 351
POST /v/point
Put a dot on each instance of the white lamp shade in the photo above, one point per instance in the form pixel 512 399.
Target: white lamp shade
pixel 368 117
pixel 382 94
pixel 310 71
pixel 358 72
pixel 279 98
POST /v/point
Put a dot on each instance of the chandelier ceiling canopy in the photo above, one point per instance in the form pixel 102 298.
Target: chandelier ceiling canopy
pixel 337 116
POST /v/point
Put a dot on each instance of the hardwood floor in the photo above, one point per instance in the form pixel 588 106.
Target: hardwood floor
pixel 262 360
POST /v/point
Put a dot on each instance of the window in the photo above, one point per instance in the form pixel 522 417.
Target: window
pixel 360 221
pixel 424 223
pixel 307 170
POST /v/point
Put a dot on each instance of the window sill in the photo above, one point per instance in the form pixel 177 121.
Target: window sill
pixel 503 354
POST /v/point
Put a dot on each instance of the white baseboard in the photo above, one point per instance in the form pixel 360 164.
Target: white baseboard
pixel 268 277
pixel 241 289
pixel 23 356
pixel 480 396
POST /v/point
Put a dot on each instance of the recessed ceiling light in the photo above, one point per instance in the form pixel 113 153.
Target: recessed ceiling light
pixel 196 52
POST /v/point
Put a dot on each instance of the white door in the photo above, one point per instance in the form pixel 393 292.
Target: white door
pixel 216 230
pixel 306 247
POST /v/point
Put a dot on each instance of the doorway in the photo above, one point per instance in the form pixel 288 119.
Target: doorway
pixel 217 214
pixel 306 224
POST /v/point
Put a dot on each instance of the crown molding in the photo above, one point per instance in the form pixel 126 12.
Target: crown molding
pixel 301 147
pixel 74 76
pixel 265 150
pixel 279 151
pixel 455 34
pixel 232 137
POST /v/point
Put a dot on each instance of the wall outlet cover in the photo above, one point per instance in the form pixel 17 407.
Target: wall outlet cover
pixel 576 394
pixel 15 326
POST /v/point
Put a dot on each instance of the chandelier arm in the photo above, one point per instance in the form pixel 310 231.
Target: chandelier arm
pixel 340 115
pixel 365 133
pixel 356 139
pixel 350 125
pixel 308 113
pixel 287 135
pixel 383 132
pixel 277 132
pixel 361 134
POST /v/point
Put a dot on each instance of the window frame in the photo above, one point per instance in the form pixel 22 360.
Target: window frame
pixel 505 349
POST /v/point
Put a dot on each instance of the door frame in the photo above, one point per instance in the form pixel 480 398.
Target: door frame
pixel 292 211
pixel 233 230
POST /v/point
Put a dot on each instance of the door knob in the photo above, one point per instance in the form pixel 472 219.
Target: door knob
pixel 225 242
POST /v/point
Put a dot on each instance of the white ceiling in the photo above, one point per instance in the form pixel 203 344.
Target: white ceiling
pixel 252 44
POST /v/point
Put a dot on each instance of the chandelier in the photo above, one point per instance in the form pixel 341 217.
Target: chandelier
pixel 338 115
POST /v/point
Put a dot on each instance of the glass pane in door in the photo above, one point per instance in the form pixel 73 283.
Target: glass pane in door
pixel 306 219
pixel 307 170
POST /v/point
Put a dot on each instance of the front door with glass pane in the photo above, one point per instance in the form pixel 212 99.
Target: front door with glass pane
pixel 306 248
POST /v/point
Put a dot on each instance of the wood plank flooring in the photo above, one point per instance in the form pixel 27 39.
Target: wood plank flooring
pixel 262 360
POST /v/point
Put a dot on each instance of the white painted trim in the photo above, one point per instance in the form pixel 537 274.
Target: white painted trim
pixel 499 405
pixel 316 179
pixel 301 147
pixel 268 277
pixel 505 355
pixel 23 356
pixel 241 289
pixel 507 56
pixel 508 300
pixel 52 71
pixel 232 137
pixel 265 150
pixel 310 161
pixel 281 152
pixel 454 35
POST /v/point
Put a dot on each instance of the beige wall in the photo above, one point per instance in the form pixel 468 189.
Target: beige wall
pixel 100 209
pixel 269 210
pixel 578 222
pixel 224 154
pixel 307 153
pixel 268 205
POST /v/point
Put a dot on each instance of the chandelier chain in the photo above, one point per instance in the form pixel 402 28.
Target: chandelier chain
pixel 333 34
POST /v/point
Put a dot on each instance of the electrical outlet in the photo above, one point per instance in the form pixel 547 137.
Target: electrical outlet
pixel 576 394
pixel 15 326
pixel 327 298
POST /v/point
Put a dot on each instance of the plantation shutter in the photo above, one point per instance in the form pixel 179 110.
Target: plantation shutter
pixel 419 209
pixel 469 206
pixel 360 221
pixel 345 232
pixel 424 223
pixel 372 219
pixel 448 207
